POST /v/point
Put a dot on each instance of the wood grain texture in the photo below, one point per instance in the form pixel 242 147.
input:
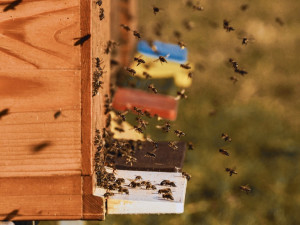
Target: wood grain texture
pixel 39 34
pixel 33 96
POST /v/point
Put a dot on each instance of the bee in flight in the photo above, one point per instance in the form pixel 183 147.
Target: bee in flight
pixel 162 59
pixel 139 60
pixel 246 188
pixel 226 137
pixel 230 171
pixel 224 152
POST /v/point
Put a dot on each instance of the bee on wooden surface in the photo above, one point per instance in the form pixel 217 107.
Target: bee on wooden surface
pixel 181 95
pixel 4 112
pixel 139 60
pixel 230 171
pixel 155 10
pixel 57 114
pixel 101 14
pixel 168 183
pixel 136 34
pixel 119 129
pixel 226 26
pixel 224 152
pixel 162 59
pixel 99 2
pixel 99 62
pixel 12 5
pixel 189 25
pixel 130 70
pixel 154 143
pixel 234 79
pixel 152 88
pixel 190 146
pixel 12 214
pixel 182 45
pixel 179 133
pixel 127 28
pixel 279 21
pixel 123 190
pixel 165 190
pixel 177 35
pixel 172 144
pixel 110 45
pixel 150 154
pixel 138 129
pixel 41 146
pixel 186 175
pixel 108 194
pixel 244 7
pixel 138 111
pixel 241 72
pixel 226 137
pixel 147 75
pixel 185 66
pixel 246 188
pixel 81 40
pixel 168 196
pixel 108 121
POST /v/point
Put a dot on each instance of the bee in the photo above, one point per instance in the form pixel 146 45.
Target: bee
pixel 177 34
pixel 165 190
pixel 162 59
pixel 12 5
pixel 152 45
pixel 179 133
pixel 154 143
pixel 190 146
pixel 4 112
pixel 99 2
pixel 108 121
pixel 136 34
pixel 151 87
pixel 227 27
pixel 234 79
pixel 190 75
pixel 98 63
pixel 139 60
pixel 224 152
pixel 138 129
pixel 122 115
pixel 81 40
pixel 57 114
pixel 168 196
pixel 148 114
pixel 166 127
pixel 138 178
pixel 147 75
pixel 142 123
pixel 198 7
pixel 185 66
pixel 241 72
pixel 168 183
pixel 119 181
pixel 110 45
pixel 108 194
pixel 172 144
pixel 244 7
pixel 119 129
pixel 130 70
pixel 182 45
pixel 155 10
pixel 101 14
pixel 138 111
pixel 186 175
pixel 246 188
pixel 181 95
pixel 114 62
pixel 189 25
pixel 235 65
pixel 123 190
pixel 41 146
pixel 230 171
pixel 279 21
pixel 150 186
pixel 226 137
pixel 134 184
pixel 127 28
pixel 150 154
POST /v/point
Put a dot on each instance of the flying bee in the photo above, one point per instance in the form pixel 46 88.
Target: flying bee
pixel 226 137
pixel 139 60
pixel 234 79
pixel 224 152
pixel 142 122
pixel 127 28
pixel 241 72
pixel 190 146
pixel 198 7
pixel 234 63
pixel 177 34
pixel 147 75
pixel 186 175
pixel 152 45
pixel 136 34
pixel 181 95
pixel 182 45
pixel 130 70
pixel 179 133
pixel 244 7
pixel 138 129
pixel 5 112
pixel 168 196
pixel 185 66
pixel 246 40
pixel 138 111
pixel 154 143
pixel 190 75
pixel 172 144
pixel 155 10
pixel 230 171
pixel 279 21
pixel 227 27
pixel 162 59
pixel 165 190
pixel 152 88
pixel 246 188
pixel 57 114
pixel 122 115
pixel 150 154
pixel 166 127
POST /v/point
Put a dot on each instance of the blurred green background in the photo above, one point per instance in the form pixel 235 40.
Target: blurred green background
pixel 260 112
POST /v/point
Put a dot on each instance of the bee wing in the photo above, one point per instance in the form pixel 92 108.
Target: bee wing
pixel 167 56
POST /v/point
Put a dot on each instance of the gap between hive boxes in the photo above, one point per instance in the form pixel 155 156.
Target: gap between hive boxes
pixel 142 201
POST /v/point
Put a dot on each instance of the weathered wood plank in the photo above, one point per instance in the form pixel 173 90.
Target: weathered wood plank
pixel 40 34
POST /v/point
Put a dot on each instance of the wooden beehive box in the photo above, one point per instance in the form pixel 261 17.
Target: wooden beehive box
pixel 46 166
